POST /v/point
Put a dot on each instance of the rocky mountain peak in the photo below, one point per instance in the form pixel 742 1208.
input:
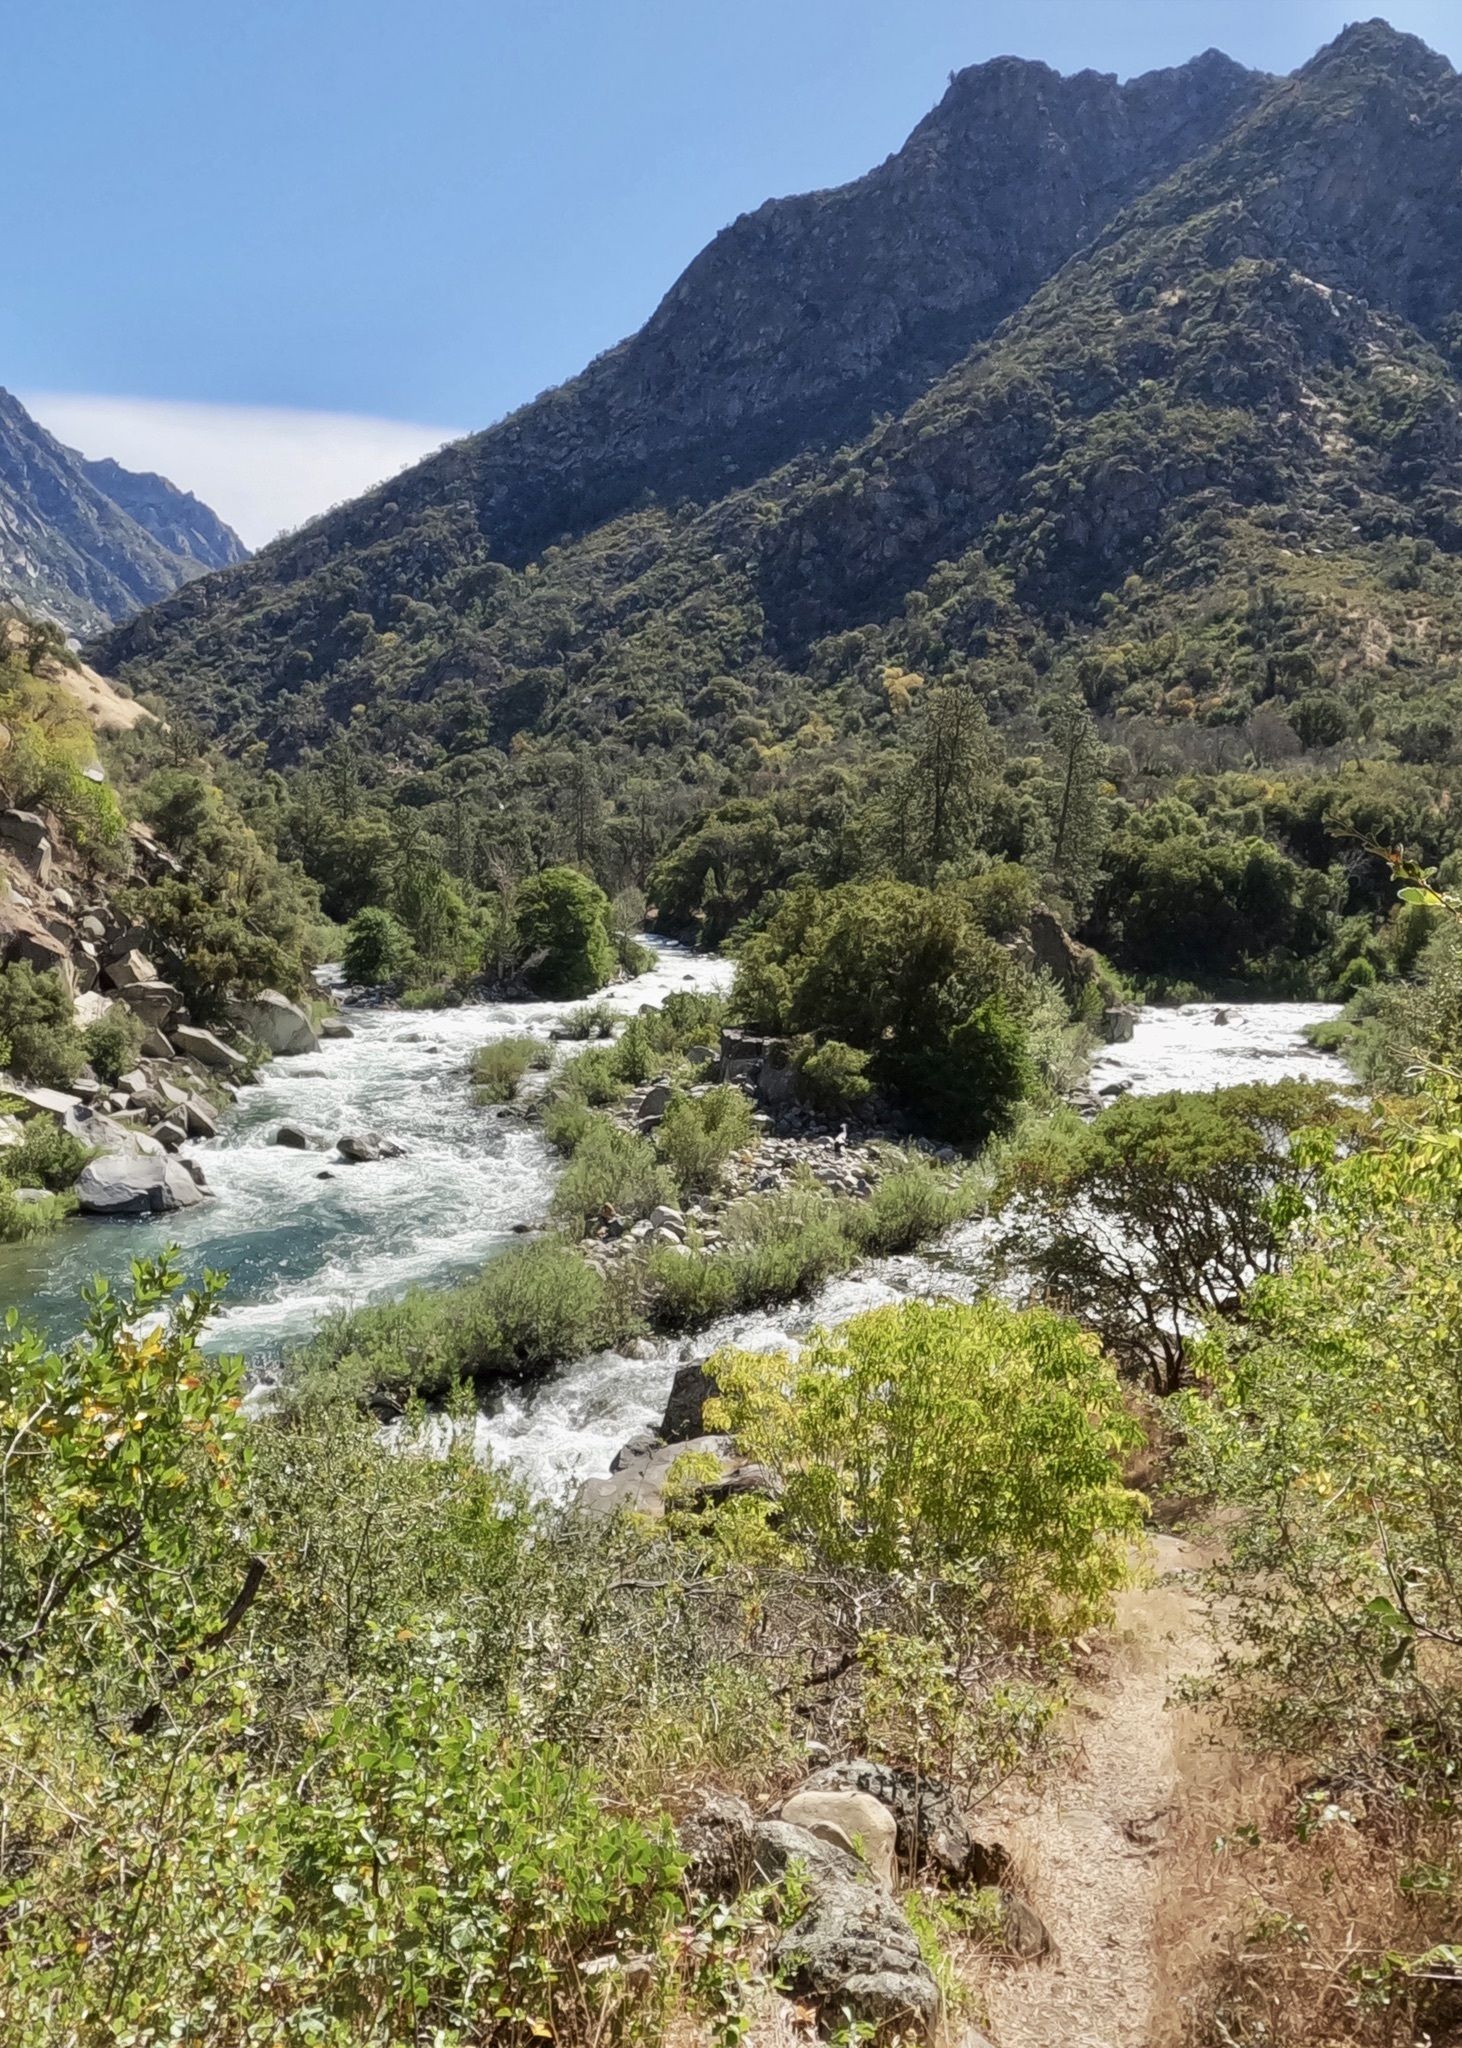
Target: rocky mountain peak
pixel 1375 48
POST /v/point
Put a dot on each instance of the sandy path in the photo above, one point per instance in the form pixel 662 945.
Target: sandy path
pixel 1090 1843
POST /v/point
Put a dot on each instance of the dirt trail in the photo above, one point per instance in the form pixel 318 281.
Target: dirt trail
pixel 1090 1844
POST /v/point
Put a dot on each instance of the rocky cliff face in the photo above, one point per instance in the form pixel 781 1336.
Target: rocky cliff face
pixel 1072 331
pixel 87 543
pixel 181 523
pixel 803 320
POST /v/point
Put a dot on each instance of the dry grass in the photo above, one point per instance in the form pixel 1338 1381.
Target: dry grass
pixel 1286 1926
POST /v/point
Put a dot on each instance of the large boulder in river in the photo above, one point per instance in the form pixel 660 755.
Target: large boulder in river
pixel 278 1024
pixel 685 1406
pixel 361 1147
pixel 142 1180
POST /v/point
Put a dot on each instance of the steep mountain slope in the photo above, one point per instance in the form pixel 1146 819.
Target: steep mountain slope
pixel 88 543
pixel 797 325
pixel 183 524
pixel 1223 385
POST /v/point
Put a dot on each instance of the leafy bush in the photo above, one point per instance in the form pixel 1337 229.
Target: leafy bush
pixel 908 1207
pixel 906 976
pixel 531 1309
pixel 378 949
pixel 20 1221
pixel 563 933
pixel 698 1134
pixel 832 1078
pixel 498 1068
pixel 113 1043
pixel 611 1168
pixel 37 1023
pixel 1161 1210
pixel 46 1157
pixel 589 1020
pixel 983 1439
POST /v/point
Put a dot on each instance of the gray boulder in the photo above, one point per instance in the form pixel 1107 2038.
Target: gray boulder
pixel 685 1406
pixel 852 1951
pixel 153 1002
pixel 199 1117
pixel 335 1027
pixel 192 1044
pixel 141 1181
pixel 278 1024
pixel 129 968
pixel 297 1137
pixel 361 1147
pixel 932 1828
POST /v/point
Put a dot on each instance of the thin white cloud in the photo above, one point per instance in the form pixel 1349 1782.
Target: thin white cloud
pixel 262 468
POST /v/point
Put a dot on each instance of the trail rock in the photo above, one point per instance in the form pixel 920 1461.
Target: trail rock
pixel 276 1023
pixel 854 1821
pixel 932 1829
pixel 853 1950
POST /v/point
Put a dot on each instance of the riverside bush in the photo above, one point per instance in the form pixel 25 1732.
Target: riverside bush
pixel 979 1439
pixel 378 948
pixel 698 1134
pixel 563 933
pixel 46 1157
pixel 611 1168
pixel 498 1068
pixel 113 1043
pixel 37 1025
pixel 832 1078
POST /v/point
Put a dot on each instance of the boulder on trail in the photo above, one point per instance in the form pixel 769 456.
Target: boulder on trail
pixel 853 1950
pixel 854 1821
pixel 278 1024
pixel 932 1828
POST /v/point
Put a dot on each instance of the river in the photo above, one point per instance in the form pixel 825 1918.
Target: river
pixel 298 1248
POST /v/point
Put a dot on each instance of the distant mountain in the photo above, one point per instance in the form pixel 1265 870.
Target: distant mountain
pixel 183 524
pixel 1075 374
pixel 89 543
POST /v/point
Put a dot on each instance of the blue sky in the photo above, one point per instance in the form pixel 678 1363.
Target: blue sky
pixel 411 215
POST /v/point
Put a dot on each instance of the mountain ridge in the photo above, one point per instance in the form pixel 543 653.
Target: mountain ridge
pixel 87 543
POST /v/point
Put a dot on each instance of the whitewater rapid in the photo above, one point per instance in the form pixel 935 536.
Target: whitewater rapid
pixel 298 1248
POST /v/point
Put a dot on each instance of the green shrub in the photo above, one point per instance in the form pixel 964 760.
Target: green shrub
pixel 589 1020
pixel 593 1076
pixel 567 1119
pixel 832 1078
pixel 442 995
pixel 563 933
pixel 531 1309
pixel 113 1043
pixel 698 1134
pixel 908 977
pixel 378 948
pixel 633 955
pixel 22 1220
pixel 908 1207
pixel 610 1168
pixel 983 1439
pixel 498 1068
pixel 37 1022
pixel 46 1157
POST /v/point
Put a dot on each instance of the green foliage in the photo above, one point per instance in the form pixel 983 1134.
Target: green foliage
pixel 22 1220
pixel 563 932
pixel 980 1440
pixel 123 1457
pixel 832 1078
pixel 589 1020
pixel 910 1206
pixel 906 976
pixel 698 1134
pixel 46 1157
pixel 498 1067
pixel 611 1168
pixel 37 1024
pixel 113 1043
pixel 529 1310
pixel 1161 1210
pixel 377 949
